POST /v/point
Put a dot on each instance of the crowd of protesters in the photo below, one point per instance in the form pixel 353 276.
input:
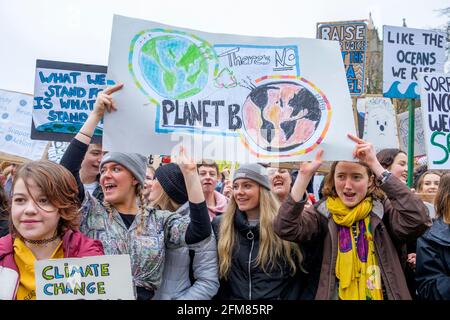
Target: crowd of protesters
pixel 256 233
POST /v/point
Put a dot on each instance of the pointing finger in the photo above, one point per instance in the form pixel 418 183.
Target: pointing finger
pixel 113 89
pixel 355 139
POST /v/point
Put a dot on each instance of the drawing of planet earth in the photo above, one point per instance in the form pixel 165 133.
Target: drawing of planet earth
pixel 65 127
pixel 281 116
pixel 174 66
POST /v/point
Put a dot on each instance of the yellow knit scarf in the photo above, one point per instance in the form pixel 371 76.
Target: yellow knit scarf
pixel 356 266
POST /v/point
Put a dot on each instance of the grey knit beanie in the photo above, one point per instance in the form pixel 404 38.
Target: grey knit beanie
pixel 134 162
pixel 255 172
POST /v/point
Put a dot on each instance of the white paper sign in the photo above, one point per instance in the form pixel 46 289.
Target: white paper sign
pixel 15 126
pixel 380 123
pixel 435 100
pixel 226 97
pixel 91 278
pixel 403 129
pixel 406 52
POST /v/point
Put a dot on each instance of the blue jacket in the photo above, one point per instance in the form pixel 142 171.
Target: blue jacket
pixel 433 262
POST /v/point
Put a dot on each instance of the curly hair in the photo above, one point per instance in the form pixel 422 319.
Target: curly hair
pixel 58 185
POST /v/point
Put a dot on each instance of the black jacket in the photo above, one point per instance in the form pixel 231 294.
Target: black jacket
pixel 433 262
pixel 246 280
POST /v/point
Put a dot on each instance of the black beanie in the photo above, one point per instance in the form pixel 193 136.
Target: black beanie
pixel 172 182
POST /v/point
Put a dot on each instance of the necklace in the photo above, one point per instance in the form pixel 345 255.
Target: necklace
pixel 43 241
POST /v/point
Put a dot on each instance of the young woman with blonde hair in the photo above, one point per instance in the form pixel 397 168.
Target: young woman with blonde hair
pixel 254 263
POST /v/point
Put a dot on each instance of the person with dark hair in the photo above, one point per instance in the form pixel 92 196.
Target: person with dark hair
pixel 122 222
pixel 44 225
pixel 89 171
pixel 190 272
pixel 396 161
pixel 355 228
pixel 433 250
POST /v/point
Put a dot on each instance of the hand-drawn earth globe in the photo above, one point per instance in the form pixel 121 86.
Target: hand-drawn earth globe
pixel 173 66
pixel 281 116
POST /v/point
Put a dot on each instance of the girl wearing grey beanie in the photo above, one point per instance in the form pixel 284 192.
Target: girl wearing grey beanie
pixel 122 222
pixel 254 263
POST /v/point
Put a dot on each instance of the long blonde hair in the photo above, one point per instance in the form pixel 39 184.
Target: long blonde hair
pixel 271 247
pixel 164 202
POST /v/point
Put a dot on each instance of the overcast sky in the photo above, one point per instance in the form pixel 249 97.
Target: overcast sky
pixel 80 30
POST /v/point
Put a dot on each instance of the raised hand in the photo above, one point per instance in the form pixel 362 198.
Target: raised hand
pixel 185 162
pixel 105 102
pixel 305 173
pixel 310 168
pixel 365 152
pixel 227 189
pixel 189 169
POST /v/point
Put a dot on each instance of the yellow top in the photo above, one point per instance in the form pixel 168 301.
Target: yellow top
pixel 25 259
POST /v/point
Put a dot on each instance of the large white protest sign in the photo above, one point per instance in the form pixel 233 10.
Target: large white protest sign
pixel 15 124
pixel 380 123
pixel 406 52
pixel 90 278
pixel 403 132
pixel 435 100
pixel 352 36
pixel 64 96
pixel 226 97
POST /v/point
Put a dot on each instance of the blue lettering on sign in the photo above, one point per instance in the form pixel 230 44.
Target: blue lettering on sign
pixel 99 79
pixel 64 116
pixel 61 91
pixel 59 77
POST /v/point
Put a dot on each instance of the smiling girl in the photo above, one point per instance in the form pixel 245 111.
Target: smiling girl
pixel 44 224
pixel 122 222
pixel 254 263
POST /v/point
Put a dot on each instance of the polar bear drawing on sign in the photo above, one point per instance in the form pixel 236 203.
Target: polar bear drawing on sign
pixel 380 127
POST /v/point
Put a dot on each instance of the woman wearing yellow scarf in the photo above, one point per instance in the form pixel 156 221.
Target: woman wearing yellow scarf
pixel 355 229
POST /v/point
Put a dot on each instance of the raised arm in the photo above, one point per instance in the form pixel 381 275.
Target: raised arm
pixel 74 155
pixel 406 216
pixel 200 226
pixel 103 103
pixel 294 222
